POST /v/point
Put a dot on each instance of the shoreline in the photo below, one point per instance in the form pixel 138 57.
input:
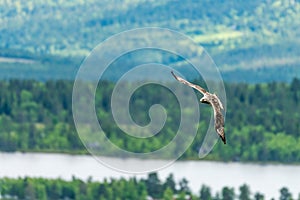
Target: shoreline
pixel 179 160
pixel 4 59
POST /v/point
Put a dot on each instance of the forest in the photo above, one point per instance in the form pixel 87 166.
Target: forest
pixel 261 122
pixel 249 41
pixel 116 189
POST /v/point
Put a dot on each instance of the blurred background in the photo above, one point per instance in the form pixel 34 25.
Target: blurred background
pixel 255 45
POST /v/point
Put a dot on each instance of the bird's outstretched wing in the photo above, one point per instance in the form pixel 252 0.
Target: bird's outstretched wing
pixel 197 87
pixel 215 103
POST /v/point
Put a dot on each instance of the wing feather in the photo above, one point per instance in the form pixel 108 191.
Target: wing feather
pixel 218 116
pixel 197 87
pixel 220 103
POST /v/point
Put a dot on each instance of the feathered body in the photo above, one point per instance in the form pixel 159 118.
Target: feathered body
pixel 214 101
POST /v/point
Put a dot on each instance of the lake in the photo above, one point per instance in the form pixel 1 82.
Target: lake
pixel 267 179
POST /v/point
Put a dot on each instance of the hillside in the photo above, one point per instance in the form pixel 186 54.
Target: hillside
pixel 253 41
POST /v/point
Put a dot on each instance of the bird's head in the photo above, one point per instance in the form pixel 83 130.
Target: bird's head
pixel 204 100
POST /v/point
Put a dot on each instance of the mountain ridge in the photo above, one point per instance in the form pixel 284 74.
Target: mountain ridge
pixel 239 36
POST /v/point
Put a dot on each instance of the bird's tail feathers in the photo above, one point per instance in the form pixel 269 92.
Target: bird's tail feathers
pixel 221 133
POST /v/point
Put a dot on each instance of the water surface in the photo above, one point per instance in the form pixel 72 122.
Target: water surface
pixel 267 179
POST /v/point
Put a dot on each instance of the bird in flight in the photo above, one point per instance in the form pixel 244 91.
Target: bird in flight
pixel 214 101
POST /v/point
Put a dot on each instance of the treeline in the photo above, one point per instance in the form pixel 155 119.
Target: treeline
pixel 37 116
pixel 149 188
pixel 262 122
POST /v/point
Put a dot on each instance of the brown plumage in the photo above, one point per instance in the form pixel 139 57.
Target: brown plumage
pixel 214 101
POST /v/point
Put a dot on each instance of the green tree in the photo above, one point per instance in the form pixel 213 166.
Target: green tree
pixel 285 194
pixel 154 186
pixel 41 192
pixel 184 186
pixel 244 192
pixel 227 193
pixel 182 195
pixel 205 193
pixel 30 192
pixel 168 194
pixel 259 196
pixel 170 183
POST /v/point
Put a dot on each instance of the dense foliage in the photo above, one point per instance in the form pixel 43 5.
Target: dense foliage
pixel 113 189
pixel 261 122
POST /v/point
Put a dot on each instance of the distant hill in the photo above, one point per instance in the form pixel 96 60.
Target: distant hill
pixel 255 41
